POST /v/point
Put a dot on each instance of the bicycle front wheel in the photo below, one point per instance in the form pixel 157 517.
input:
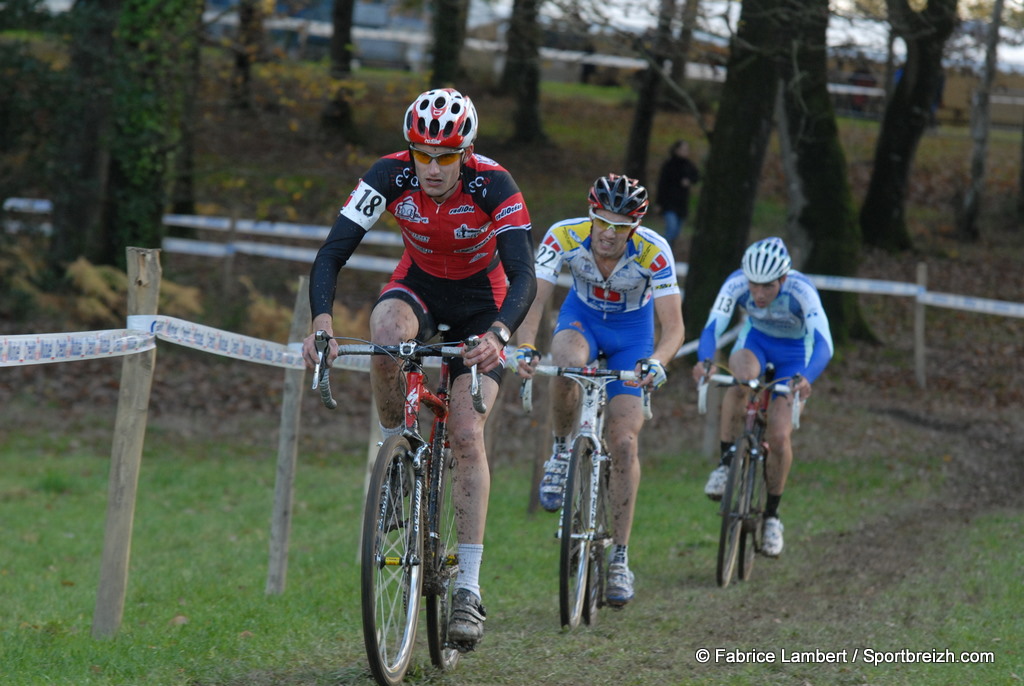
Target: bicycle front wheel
pixel 576 533
pixel 441 560
pixel 753 525
pixel 596 574
pixel 392 573
pixel 734 507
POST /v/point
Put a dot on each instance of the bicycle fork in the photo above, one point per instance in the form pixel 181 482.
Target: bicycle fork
pixel 414 556
pixel 590 427
pixel 596 459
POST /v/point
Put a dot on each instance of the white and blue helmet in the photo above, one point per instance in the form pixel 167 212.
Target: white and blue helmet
pixel 766 260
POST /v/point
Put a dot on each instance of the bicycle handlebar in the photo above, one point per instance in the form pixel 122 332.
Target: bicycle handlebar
pixel 321 372
pixel 578 374
pixel 753 385
pixel 409 350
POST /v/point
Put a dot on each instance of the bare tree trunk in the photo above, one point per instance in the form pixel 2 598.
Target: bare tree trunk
pixel 449 35
pixel 968 224
pixel 1020 182
pixel 647 102
pixel 84 130
pixel 522 72
pixel 183 196
pixel 341 37
pixel 797 240
pixel 822 207
pixel 733 169
pixel 248 48
pixel 882 218
pixel 681 51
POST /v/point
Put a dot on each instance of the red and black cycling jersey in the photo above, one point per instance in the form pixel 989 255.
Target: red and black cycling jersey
pixel 482 230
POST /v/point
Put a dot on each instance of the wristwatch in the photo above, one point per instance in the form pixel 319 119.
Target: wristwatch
pixel 500 333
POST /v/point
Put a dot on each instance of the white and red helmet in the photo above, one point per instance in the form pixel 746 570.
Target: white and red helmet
pixel 443 117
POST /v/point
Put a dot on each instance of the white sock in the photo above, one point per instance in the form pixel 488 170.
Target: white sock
pixel 620 553
pixel 470 556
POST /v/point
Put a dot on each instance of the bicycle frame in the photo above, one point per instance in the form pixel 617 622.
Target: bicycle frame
pixel 395 519
pixel 743 501
pixel 591 428
pixel 583 528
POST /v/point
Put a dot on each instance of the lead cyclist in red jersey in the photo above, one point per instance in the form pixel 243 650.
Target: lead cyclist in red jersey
pixel 468 263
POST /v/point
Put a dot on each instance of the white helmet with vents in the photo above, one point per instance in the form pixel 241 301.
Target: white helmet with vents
pixel 766 260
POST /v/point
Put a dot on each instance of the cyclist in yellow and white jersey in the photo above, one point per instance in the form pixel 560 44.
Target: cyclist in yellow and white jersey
pixel 623 276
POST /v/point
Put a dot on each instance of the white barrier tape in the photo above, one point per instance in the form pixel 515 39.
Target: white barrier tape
pixel 691 347
pixel 262 228
pixel 963 302
pixel 217 341
pixel 854 285
pixel 233 345
pixel 280 229
pixel 68 347
pixel 284 252
pixel 33 205
pixel 727 337
pixel 187 246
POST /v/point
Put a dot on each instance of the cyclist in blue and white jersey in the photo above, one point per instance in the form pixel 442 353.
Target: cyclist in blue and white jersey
pixel 623 276
pixel 785 325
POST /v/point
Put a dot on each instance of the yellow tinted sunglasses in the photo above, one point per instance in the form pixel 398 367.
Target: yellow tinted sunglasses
pixel 602 224
pixel 442 158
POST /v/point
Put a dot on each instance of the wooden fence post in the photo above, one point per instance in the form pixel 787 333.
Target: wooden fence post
pixel 287 450
pixel 373 441
pixel 919 345
pixel 144 276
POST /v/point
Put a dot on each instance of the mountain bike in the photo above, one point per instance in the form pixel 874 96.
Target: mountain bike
pixel 409 541
pixel 743 502
pixel 584 530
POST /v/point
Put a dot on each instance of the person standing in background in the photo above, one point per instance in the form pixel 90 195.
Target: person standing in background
pixel 678 174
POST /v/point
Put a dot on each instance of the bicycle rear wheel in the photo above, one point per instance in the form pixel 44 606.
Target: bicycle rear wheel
pixel 392 573
pixel 732 510
pixel 576 532
pixel 441 560
pixel 597 571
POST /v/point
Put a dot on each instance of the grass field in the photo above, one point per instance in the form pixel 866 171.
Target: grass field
pixel 197 615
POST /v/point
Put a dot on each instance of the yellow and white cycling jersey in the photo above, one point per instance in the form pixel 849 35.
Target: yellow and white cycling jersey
pixel 647 270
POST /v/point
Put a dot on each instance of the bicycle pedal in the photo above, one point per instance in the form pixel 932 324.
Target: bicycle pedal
pixel 463 646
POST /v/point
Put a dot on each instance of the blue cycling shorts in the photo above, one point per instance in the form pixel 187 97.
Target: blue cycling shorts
pixel 789 355
pixel 622 338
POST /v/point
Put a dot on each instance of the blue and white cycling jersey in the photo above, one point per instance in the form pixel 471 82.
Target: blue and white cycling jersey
pixel 646 270
pixel 794 318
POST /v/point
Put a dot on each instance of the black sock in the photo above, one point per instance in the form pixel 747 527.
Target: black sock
pixel 728 450
pixel 771 508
